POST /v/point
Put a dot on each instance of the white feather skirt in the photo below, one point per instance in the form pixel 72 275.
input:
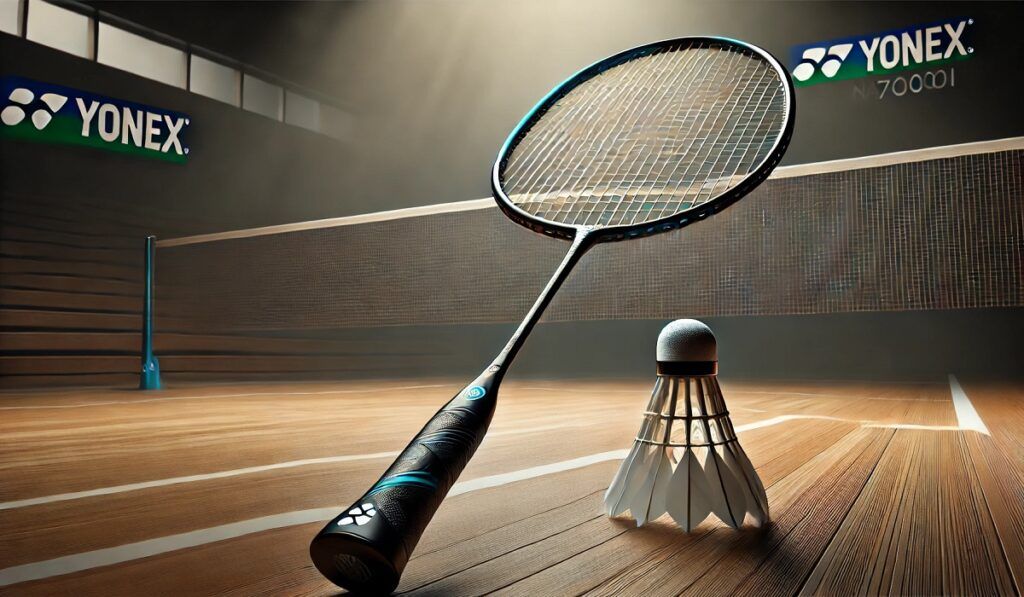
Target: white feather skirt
pixel 687 462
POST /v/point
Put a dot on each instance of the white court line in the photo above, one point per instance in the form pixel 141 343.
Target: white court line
pixel 870 161
pixel 847 396
pixel 204 396
pixel 151 547
pixel 966 416
pixel 913 427
pixel 77 495
pixel 160 545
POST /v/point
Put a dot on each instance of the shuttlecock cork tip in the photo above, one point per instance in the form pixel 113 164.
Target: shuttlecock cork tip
pixel 687 347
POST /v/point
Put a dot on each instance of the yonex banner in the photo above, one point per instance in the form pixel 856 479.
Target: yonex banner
pixel 913 47
pixel 50 113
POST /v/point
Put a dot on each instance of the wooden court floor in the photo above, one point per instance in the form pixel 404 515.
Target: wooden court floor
pixel 217 489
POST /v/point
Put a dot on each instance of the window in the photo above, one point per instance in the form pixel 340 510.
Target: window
pixel 145 57
pixel 82 30
pixel 262 97
pixel 10 16
pixel 215 80
pixel 299 110
pixel 60 28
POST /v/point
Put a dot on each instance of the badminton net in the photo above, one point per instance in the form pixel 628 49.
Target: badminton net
pixel 934 230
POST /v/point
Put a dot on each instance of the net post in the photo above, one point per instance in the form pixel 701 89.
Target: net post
pixel 149 378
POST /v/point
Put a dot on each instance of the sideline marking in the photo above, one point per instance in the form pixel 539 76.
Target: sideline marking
pixel 966 417
pixel 160 545
pixel 76 495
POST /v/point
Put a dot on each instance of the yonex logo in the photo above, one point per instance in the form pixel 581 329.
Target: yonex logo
pixel 919 46
pixel 359 515
pixel 36 111
pixel 828 62
pixel 20 99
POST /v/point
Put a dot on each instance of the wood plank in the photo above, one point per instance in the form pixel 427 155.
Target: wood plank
pixel 170 364
pixel 175 344
pixel 855 558
pixel 271 563
pixel 46 299
pixel 69 320
pixel 109 271
pixel 470 552
pixel 75 239
pixel 921 527
pixel 818 487
pixel 34 533
pixel 72 284
pixel 108 216
pixel 58 365
pixel 431 568
pixel 37 250
pixel 997 462
pixel 77 380
pixel 778 567
pixel 973 562
pixel 837 491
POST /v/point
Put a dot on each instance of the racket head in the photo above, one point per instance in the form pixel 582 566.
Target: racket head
pixel 519 177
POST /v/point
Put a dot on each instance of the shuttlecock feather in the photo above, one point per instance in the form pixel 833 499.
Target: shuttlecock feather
pixel 686 460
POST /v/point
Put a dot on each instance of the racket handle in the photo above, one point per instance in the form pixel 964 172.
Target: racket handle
pixel 365 548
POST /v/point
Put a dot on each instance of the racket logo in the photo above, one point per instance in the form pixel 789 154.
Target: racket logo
pixel 20 99
pixel 359 515
pixel 475 393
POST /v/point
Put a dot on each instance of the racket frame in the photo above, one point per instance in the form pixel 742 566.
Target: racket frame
pixel 667 223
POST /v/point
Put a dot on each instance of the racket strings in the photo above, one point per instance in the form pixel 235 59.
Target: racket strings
pixel 636 76
pixel 705 177
pixel 650 137
pixel 570 163
pixel 631 173
pixel 620 201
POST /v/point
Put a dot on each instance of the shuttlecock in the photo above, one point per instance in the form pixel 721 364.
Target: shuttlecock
pixel 686 460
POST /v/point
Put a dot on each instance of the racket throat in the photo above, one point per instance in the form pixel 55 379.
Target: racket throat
pixel 584 240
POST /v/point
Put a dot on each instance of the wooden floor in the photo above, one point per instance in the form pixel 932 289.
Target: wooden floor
pixel 874 488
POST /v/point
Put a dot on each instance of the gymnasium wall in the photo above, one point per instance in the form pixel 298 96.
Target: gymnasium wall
pixel 434 88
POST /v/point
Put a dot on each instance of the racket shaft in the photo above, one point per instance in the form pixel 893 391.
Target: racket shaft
pixel 366 547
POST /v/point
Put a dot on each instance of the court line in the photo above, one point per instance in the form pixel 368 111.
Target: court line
pixel 203 396
pixel 846 396
pixel 160 545
pixel 966 416
pixel 870 161
pixel 115 489
pixel 77 495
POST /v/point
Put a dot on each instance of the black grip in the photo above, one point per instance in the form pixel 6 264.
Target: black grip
pixel 365 548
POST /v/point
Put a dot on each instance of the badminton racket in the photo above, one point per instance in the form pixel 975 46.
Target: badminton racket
pixel 646 141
